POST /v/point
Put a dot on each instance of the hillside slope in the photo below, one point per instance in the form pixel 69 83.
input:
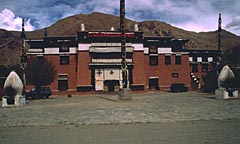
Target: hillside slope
pixel 10 43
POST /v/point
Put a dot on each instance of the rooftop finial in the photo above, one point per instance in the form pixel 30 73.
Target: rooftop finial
pixel 112 29
pixel 219 31
pixel 136 29
pixel 82 27
pixel 23 36
pixel 219 22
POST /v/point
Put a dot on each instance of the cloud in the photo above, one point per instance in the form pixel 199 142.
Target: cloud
pixel 197 15
pixel 9 21
pixel 234 23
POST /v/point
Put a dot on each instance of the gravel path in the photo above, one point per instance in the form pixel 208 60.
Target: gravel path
pixel 106 109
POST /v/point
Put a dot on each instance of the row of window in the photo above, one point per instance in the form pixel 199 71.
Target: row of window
pixel 153 60
pixel 63 84
pixel 202 59
pixel 204 68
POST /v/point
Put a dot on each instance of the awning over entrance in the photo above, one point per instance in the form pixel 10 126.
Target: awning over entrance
pixel 153 77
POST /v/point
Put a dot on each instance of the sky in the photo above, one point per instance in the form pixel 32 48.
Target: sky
pixel 192 15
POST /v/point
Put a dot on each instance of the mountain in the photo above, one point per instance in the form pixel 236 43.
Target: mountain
pixel 10 42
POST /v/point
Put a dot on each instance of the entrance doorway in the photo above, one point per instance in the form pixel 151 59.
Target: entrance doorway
pixel 111 84
pixel 153 83
pixel 62 85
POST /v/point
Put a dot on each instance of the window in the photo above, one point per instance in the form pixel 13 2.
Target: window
pixel 39 57
pixel 62 82
pixel 153 83
pixel 204 67
pixel 210 59
pixel 199 59
pixel 167 59
pixel 178 59
pixel 62 85
pixel 205 59
pixel 190 59
pixel 64 60
pixel 194 68
pixel 64 48
pixel 175 74
pixel 153 60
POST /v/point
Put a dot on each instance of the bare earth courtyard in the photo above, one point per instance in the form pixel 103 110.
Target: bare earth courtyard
pixel 189 117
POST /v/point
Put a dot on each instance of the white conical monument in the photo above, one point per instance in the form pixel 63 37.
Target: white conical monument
pixel 225 74
pixel 13 88
pixel 225 90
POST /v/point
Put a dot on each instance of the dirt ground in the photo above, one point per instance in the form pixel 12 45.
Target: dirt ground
pixel 166 118
pixel 190 132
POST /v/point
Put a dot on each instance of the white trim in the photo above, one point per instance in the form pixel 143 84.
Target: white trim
pixel 109 60
pixel 109 49
pixel 153 77
pixel 109 64
pixel 35 50
pixel 55 50
pixel 167 54
pixel 210 59
pixel 190 59
pixel 180 53
pixel 34 53
pixel 83 47
pixel 146 50
pixel 39 55
pixel 72 50
pixel 153 54
pixel 138 47
pixel 109 44
pixel 51 50
pixel 163 50
pixel 199 59
pixel 29 40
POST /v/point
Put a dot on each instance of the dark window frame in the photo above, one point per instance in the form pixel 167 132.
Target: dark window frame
pixel 194 67
pixel 205 67
pixel 153 60
pixel 63 85
pixel 167 59
pixel 204 58
pixel 64 60
pixel 178 59
pixel 175 74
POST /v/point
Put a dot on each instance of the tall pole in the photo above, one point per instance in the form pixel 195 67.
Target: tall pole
pixel 219 44
pixel 123 43
pixel 219 32
pixel 124 94
pixel 23 57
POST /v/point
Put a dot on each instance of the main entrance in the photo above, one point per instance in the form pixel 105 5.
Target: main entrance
pixel 112 85
pixel 153 83
pixel 107 77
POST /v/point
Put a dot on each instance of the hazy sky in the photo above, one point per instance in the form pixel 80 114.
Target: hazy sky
pixel 193 15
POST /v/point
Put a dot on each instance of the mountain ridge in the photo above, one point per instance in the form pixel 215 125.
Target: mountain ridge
pixel 10 41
